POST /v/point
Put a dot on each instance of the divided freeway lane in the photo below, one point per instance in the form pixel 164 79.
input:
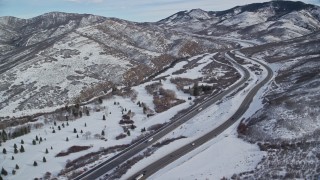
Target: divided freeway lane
pixel 159 164
pixel 134 149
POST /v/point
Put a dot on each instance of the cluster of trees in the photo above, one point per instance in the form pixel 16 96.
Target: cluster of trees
pixel 4 172
pixel 197 90
pixel 19 131
pixel 37 139
pixel 146 109
pixel 143 129
pixel 94 91
pixel 15 147
pixel 43 160
pixel 59 127
pixel 77 111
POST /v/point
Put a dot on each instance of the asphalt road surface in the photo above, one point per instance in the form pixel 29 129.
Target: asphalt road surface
pixel 159 164
pixel 142 144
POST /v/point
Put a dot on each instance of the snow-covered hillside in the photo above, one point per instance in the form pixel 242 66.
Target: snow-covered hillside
pixel 266 22
pixel 62 74
pixel 288 125
pixel 59 58
pixel 90 50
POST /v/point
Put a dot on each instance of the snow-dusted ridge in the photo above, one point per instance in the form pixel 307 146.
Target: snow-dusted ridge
pixel 47 61
pixel 258 21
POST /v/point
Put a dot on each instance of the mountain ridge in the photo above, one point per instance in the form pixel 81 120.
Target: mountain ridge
pixel 282 7
pixel 132 50
pixel 265 22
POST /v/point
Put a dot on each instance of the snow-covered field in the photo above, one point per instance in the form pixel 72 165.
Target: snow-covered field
pixel 221 157
pixel 227 154
pixel 95 125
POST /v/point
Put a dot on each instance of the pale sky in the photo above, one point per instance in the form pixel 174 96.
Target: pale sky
pixel 133 10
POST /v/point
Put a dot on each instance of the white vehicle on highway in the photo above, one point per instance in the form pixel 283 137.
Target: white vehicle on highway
pixel 139 177
pixel 149 140
pixel 200 109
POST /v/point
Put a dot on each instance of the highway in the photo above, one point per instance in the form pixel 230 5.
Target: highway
pixel 137 147
pixel 159 164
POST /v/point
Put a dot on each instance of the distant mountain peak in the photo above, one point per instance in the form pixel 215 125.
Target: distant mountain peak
pixel 198 14
pixel 279 7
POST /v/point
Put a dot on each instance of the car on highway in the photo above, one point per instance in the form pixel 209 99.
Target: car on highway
pixel 192 144
pixel 199 109
pixel 149 140
pixel 139 177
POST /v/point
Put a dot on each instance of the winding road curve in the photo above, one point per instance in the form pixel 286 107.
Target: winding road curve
pixel 142 144
pixel 159 164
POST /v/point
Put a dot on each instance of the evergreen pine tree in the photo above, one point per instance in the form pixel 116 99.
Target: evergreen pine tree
pixel 103 117
pixel 17 167
pixel 143 129
pixel 53 131
pixel 196 89
pixel 85 124
pixel 62 125
pixel 4 172
pixel 21 149
pixel 128 132
pixel 77 136
pixel 54 123
pixel 44 159
pixel 59 128
pixel 1 178
pixel 15 146
pixel 4 135
pixel 37 139
pixel 13 172
pixel 51 147
pixel 67 139
pixel 22 142
pixel 102 133
pixel 12 158
pixel 16 150
pixel 40 139
pixel 47 151
pixel 4 151
pixel 81 131
pixel 74 130
pixel 67 124
pixel 35 163
pixel 33 142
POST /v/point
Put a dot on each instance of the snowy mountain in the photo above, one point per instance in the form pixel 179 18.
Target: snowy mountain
pixel 57 58
pixel 287 126
pixel 75 52
pixel 15 32
pixel 266 22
